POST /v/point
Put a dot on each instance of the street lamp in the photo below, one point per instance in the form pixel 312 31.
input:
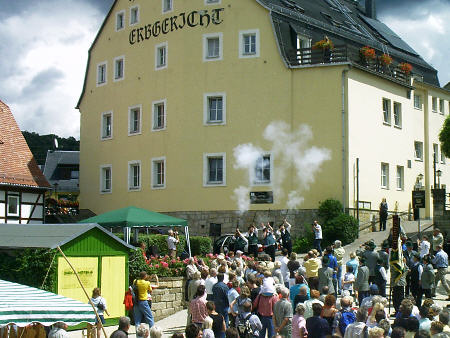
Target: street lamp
pixel 438 174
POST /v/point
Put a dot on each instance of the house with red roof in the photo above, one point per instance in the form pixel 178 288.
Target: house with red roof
pixel 22 183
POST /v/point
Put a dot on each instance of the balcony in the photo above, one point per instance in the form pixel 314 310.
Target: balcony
pixel 341 54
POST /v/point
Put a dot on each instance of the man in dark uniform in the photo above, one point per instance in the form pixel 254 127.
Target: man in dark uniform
pixel 409 257
pixel 252 238
pixel 239 241
pixel 269 242
pixel 416 270
pixel 285 236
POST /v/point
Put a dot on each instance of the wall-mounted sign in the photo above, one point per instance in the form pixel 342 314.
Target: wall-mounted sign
pixel 261 197
pixel 418 199
pixel 195 18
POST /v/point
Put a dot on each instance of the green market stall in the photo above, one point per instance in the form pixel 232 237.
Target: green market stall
pixel 133 217
pixel 99 257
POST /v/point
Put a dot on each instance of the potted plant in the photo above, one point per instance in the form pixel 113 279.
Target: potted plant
pixel 385 59
pixel 324 44
pixel 405 67
pixel 367 53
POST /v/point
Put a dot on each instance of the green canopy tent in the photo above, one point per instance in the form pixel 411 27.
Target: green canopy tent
pixel 133 217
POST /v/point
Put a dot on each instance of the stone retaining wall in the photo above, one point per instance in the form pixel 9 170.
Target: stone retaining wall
pixel 199 221
pixel 168 298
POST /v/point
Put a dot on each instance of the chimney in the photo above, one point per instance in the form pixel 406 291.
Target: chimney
pixel 371 10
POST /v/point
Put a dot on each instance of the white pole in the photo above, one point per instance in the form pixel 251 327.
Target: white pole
pixel 188 241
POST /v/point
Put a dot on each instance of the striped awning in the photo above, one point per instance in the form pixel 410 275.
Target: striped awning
pixel 22 305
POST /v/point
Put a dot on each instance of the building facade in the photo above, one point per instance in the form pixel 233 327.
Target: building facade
pixel 174 87
pixel 22 184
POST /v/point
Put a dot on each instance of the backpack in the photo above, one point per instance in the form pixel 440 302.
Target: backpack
pixel 134 292
pixel 100 305
pixel 347 318
pixel 244 328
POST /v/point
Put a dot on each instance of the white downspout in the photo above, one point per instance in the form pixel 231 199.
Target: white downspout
pixel 344 142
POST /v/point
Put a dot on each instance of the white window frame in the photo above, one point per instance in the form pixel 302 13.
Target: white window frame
pixel 420 144
pixel 442 106
pixel 389 111
pixel 244 33
pixel 158 47
pixel 384 175
pixel 434 104
pixel 208 36
pixel 308 40
pixel 419 98
pixel 154 104
pixel 137 17
pixel 130 110
pixel 100 64
pixel 400 179
pixel 399 124
pixel 103 137
pixel 103 189
pixel 206 97
pixel 254 182
pixel 206 157
pixel 116 59
pixel 213 2
pixel 129 178
pixel 17 198
pixel 164 11
pixel 122 13
pixel 155 161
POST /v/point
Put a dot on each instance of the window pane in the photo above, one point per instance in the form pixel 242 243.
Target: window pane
pixel 262 169
pixel 397 114
pixel 13 207
pixel 215 169
pixel 213 47
pixel 215 108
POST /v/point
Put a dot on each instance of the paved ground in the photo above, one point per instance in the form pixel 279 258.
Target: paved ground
pixel 177 322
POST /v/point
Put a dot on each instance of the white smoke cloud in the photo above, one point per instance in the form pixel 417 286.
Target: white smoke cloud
pixel 241 195
pixel 290 150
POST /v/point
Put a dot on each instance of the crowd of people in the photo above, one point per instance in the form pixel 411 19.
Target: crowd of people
pixel 320 295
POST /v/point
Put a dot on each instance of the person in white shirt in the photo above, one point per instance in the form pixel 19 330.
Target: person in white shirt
pixel 349 279
pixel 58 331
pixel 209 283
pixel 284 269
pixel 172 242
pixel 317 229
pixel 424 246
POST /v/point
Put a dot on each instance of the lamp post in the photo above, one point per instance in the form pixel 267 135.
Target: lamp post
pixel 438 174
pixel 434 170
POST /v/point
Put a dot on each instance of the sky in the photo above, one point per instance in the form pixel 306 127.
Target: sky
pixel 44 47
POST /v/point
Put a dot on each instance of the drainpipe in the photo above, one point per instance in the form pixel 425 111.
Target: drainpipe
pixel 344 142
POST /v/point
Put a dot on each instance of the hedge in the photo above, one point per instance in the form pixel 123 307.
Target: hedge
pixel 305 243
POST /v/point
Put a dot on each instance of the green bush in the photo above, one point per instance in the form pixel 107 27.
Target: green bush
pixel 200 246
pixel 342 227
pixel 329 209
pixel 305 243
pixel 161 242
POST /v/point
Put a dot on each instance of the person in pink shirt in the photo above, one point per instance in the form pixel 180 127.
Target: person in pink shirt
pixel 197 306
pixel 299 322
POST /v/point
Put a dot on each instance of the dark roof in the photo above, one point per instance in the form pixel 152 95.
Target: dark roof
pixel 46 235
pixel 17 164
pixel 60 158
pixel 344 22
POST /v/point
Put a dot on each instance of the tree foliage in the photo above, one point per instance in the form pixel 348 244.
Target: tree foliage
pixel 39 144
pixel 444 137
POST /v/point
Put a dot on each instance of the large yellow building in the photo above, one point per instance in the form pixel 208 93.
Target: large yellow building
pixel 173 87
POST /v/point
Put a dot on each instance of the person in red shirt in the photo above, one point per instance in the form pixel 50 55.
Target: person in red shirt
pixel 197 306
pixel 263 305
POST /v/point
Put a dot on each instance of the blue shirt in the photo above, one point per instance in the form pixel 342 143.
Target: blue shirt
pixel 354 264
pixel 232 295
pixel 220 297
pixel 332 264
pixel 441 259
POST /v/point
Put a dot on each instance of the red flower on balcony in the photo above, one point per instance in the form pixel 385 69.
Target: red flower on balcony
pixel 324 44
pixel 405 67
pixel 385 59
pixel 368 53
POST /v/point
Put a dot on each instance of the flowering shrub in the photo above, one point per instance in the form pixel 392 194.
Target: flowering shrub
pixel 405 67
pixel 323 44
pixel 166 266
pixel 367 53
pixel 385 59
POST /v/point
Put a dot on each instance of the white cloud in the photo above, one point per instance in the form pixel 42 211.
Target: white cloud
pixel 44 63
pixel 427 33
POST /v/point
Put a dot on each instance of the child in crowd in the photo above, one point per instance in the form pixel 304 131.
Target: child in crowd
pixel 349 279
pixel 268 284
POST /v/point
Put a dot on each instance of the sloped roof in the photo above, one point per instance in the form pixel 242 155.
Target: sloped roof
pixel 342 20
pixel 59 157
pixel 46 235
pixel 17 164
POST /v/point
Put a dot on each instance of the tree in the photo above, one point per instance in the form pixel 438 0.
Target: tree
pixel 444 137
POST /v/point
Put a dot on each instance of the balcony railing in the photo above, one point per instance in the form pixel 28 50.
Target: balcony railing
pixel 339 54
